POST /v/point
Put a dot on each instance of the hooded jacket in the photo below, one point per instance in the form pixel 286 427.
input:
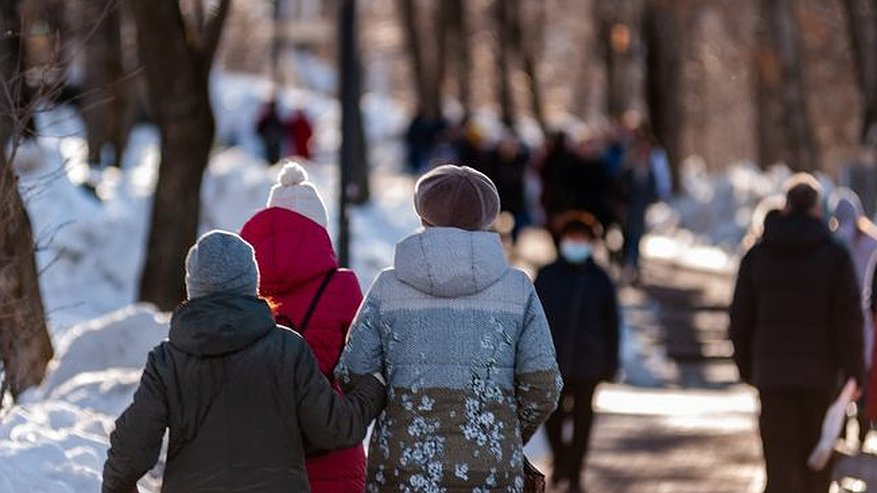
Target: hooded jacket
pixel 796 318
pixel 295 255
pixel 465 347
pixel 240 398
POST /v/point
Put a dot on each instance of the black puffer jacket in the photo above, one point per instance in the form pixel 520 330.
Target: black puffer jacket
pixel 582 310
pixel 796 318
pixel 241 397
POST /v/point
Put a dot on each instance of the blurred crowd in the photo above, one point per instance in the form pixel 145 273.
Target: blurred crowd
pixel 613 173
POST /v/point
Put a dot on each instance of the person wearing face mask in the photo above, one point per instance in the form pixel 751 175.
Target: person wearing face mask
pixel 581 305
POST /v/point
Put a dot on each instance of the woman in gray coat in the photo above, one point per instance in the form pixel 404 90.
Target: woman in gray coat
pixel 464 345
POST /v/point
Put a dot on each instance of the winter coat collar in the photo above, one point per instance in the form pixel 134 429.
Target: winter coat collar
pixel 795 233
pixel 291 249
pixel 219 324
pixel 450 262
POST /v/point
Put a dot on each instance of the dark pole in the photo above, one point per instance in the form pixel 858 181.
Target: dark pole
pixel 349 89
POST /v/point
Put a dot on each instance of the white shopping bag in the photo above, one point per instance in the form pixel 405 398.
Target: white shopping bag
pixel 834 421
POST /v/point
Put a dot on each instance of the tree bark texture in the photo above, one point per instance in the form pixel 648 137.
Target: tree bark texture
pixel 181 106
pixel 617 30
pixel 424 69
pixel 862 17
pixel 505 97
pixel 666 44
pixel 457 32
pixel 528 42
pixel 780 68
pixel 25 346
pixel 105 108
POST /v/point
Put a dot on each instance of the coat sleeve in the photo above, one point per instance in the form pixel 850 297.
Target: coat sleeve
pixel 135 443
pixel 849 320
pixel 363 354
pixel 537 379
pixel 743 316
pixel 329 420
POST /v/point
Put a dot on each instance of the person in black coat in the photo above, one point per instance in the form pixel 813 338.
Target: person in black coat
pixel 796 325
pixel 242 398
pixel 581 305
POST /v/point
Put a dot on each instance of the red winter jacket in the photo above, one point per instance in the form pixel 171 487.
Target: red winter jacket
pixel 294 255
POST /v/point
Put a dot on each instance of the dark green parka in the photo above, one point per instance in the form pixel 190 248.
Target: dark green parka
pixel 241 398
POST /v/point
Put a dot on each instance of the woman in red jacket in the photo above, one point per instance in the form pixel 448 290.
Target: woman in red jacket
pixel 299 274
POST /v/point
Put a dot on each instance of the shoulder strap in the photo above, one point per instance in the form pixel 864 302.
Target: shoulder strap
pixel 310 313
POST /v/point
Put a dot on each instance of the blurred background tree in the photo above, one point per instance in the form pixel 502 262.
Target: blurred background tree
pixel 180 104
pixel 25 348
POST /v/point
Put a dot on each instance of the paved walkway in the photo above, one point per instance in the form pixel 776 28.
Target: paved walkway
pixel 655 441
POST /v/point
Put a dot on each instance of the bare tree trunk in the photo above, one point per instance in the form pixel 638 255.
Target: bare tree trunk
pixel 504 84
pixel 25 346
pixel 664 31
pixel 458 32
pixel 105 105
pixel 427 104
pixel 782 31
pixel 618 31
pixel 771 137
pixel 181 106
pixel 529 42
pixel 862 17
pixel 582 80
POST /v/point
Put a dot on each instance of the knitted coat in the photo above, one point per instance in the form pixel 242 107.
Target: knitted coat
pixel 467 353
pixel 294 255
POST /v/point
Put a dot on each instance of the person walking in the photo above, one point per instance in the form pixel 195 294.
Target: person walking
pixel 299 274
pixel 271 130
pixel 639 189
pixel 240 396
pixel 464 344
pixel 859 235
pixel 581 305
pixel 796 326
pixel 300 134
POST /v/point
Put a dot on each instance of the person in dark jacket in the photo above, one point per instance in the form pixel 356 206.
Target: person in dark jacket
pixel 271 130
pixel 582 309
pixel 243 398
pixel 796 325
pixel 507 167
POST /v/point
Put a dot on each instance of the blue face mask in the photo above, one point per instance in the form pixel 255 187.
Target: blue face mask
pixel 575 251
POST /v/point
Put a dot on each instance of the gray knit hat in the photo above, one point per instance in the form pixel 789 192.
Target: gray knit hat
pixel 456 197
pixel 221 262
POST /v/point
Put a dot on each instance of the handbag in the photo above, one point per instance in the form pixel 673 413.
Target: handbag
pixel 534 480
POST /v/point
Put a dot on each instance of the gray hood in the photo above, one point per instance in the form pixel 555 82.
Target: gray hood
pixel 450 262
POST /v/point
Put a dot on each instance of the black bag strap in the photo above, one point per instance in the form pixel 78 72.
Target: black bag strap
pixel 316 301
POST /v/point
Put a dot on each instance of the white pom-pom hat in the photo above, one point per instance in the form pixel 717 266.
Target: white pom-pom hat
pixel 294 192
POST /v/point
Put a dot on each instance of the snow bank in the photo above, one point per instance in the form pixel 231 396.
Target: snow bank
pixel 56 440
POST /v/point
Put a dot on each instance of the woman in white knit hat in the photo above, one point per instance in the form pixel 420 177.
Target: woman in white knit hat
pixel 299 273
